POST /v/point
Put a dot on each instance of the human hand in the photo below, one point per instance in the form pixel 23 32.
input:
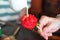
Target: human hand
pixel 47 26
pixel 22 12
pixel 7 38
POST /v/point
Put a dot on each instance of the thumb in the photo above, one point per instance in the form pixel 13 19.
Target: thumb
pixel 43 21
pixel 42 33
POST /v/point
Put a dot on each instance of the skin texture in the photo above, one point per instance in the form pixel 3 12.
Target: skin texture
pixel 48 25
pixel 22 12
pixel 7 38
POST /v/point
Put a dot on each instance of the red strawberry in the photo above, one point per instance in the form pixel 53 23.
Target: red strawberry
pixel 29 22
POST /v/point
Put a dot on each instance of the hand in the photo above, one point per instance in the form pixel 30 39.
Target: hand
pixel 22 12
pixel 47 26
pixel 7 38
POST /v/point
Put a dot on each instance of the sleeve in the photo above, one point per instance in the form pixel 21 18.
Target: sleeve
pixel 58 15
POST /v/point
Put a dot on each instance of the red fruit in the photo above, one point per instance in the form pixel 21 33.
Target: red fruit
pixel 29 22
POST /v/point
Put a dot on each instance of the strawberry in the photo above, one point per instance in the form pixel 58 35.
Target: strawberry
pixel 29 22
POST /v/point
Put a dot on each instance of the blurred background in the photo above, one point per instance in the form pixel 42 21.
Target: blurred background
pixel 45 7
pixel 37 7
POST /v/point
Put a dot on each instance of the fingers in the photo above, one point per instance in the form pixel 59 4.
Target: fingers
pixel 46 34
pixel 49 34
pixel 43 34
pixel 43 21
pixel 47 26
pixel 52 27
pixel 22 12
pixel 7 38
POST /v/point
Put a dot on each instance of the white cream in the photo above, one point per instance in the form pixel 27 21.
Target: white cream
pixel 17 5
